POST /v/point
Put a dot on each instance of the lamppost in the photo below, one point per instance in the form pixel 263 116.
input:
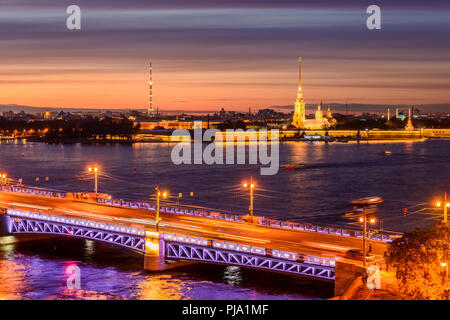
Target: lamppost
pixel 446 204
pixel 251 186
pixel 95 170
pixel 365 202
pixel 445 265
pixel 180 195
pixel 363 219
pixel 158 195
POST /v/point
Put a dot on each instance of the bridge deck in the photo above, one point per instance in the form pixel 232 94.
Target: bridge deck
pixel 304 242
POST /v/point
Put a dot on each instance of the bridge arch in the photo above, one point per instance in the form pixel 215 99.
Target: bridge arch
pixel 159 248
pixel 25 225
pixel 189 252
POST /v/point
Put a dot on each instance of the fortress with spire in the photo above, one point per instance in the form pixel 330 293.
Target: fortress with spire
pixel 299 120
pixel 409 125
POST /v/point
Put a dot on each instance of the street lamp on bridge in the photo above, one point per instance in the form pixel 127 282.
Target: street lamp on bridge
pixel 95 170
pixel 364 203
pixel 251 186
pixel 445 277
pixel 444 204
pixel 159 194
pixel 4 178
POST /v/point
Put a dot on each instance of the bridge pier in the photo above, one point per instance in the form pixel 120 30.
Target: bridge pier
pixel 4 228
pixel 345 274
pixel 154 258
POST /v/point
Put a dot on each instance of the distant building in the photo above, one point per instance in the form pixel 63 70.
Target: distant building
pixel 409 125
pixel 169 124
pixel 319 122
pixel 329 115
pixel 8 115
pixel 299 119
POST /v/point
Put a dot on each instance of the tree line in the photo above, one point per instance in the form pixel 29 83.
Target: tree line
pixel 74 129
pixel 419 260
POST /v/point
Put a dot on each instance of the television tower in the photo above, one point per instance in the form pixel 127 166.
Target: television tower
pixel 150 93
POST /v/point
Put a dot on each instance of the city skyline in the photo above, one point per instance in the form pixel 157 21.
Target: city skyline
pixel 221 54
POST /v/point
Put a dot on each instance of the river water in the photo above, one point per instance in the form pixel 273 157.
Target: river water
pixel 412 176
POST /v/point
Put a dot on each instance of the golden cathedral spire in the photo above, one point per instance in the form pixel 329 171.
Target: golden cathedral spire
pixel 299 111
pixel 300 73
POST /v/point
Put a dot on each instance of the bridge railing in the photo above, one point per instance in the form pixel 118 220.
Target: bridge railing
pixel 339 231
pixel 172 210
pixel 299 226
pixel 33 191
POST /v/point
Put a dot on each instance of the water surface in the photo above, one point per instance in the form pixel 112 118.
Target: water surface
pixel 411 177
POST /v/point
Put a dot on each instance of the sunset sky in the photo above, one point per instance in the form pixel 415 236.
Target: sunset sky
pixel 234 54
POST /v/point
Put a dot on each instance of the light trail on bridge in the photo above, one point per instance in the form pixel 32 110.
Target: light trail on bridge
pixel 304 242
pixel 29 206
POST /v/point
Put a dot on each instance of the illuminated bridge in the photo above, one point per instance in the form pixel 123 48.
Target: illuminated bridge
pixel 184 235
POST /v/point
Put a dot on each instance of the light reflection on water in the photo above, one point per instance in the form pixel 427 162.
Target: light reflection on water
pixel 38 270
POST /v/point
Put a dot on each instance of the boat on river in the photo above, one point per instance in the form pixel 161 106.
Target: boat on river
pixel 293 166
